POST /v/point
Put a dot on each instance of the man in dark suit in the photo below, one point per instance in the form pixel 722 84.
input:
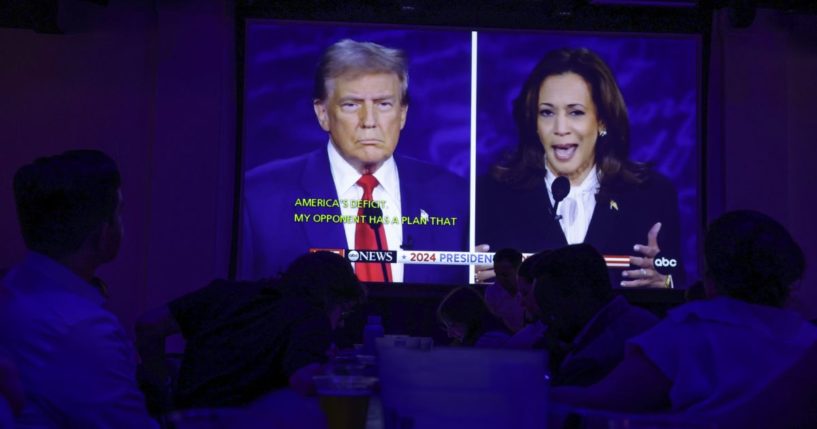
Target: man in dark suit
pixel 326 198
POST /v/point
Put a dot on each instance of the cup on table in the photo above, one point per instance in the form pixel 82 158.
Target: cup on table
pixel 345 399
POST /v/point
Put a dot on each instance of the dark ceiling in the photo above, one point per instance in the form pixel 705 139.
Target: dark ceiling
pixel 616 15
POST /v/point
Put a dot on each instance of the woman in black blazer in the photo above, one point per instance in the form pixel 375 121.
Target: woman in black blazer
pixel 572 122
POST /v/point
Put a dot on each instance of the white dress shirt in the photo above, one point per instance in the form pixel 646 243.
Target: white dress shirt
pixel 346 176
pixel 577 208
pixel 75 361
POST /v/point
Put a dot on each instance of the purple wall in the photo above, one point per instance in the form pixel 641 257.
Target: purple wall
pixel 768 127
pixel 154 87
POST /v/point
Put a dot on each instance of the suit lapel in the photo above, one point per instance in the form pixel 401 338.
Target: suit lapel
pixel 316 181
pixel 411 187
pixel 605 218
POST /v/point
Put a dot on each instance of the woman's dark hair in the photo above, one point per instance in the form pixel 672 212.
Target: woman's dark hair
pixel 324 279
pixel 751 257
pixel 525 165
pixel 465 305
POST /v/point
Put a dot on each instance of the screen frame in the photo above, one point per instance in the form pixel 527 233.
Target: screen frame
pixel 636 21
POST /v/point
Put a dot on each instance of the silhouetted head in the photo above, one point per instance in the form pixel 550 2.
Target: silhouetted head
pixel 751 257
pixel 465 316
pixel 326 280
pixel 68 201
pixel 572 286
pixel 506 265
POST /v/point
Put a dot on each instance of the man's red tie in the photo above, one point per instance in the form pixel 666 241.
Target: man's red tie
pixel 365 238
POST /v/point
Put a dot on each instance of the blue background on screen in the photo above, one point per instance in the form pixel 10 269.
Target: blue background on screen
pixel 659 77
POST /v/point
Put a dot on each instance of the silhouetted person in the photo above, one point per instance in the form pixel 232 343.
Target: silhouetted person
pixel 709 355
pixel 469 322
pixel 245 339
pixel 75 361
pixel 502 296
pixel 577 303
pixel 532 333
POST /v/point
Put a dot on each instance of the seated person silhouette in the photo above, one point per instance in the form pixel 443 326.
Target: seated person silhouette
pixel 531 335
pixel 245 339
pixel 74 358
pixel 707 355
pixel 502 296
pixel 577 302
pixel 468 321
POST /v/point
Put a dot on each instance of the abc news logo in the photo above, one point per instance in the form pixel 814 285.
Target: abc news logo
pixel 372 256
pixel 665 265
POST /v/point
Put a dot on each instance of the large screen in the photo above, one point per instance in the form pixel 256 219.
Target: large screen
pixel 456 164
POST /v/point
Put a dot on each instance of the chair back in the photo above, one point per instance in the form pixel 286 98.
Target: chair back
pixel 463 387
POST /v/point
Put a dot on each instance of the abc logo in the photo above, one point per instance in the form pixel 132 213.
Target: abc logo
pixel 663 262
pixel 353 255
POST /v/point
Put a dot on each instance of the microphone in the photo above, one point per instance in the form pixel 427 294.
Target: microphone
pixel 377 212
pixel 559 189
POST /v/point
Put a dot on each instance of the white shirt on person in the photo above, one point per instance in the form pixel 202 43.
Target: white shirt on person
pixel 76 364
pixel 346 176
pixel 576 210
